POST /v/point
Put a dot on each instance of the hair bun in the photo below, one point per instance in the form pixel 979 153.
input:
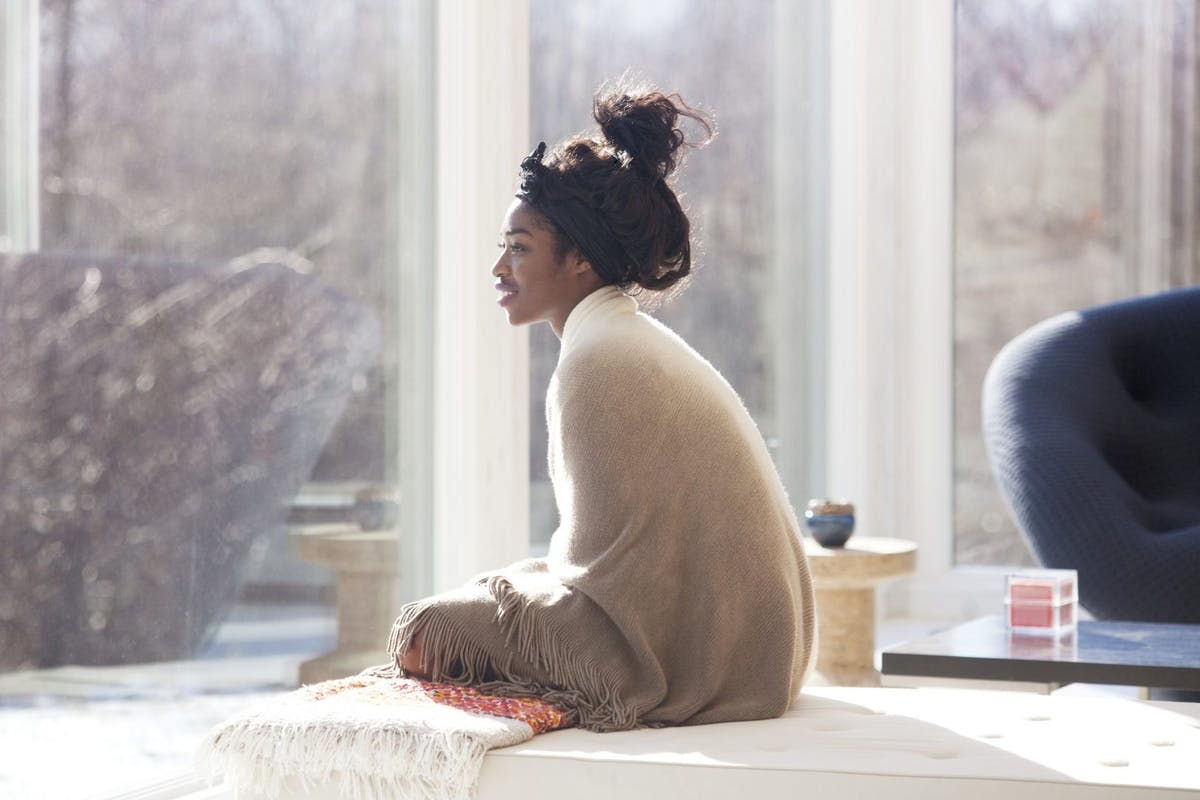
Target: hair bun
pixel 644 123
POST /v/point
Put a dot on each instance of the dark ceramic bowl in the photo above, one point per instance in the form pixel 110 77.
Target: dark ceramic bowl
pixel 830 522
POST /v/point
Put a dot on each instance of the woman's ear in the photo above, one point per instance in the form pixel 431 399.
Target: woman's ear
pixel 578 263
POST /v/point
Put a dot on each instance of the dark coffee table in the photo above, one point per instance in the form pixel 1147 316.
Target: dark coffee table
pixel 1145 654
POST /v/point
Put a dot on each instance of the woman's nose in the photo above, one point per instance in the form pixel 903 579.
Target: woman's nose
pixel 500 267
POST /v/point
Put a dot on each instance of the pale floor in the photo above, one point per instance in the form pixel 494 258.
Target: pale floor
pixel 72 733
pixel 76 733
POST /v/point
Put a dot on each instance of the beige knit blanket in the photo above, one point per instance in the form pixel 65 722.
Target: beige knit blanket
pixel 675 590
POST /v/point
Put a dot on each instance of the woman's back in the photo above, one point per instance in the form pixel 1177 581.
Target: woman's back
pixel 672 517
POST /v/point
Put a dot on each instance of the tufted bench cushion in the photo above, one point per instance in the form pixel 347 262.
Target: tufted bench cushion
pixel 861 742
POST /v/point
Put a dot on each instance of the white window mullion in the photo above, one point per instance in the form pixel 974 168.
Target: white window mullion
pixel 481 413
pixel 891 289
pixel 414 287
pixel 19 215
pixel 800 255
pixel 926 208
pixel 863 261
pixel 1184 268
pixel 1149 264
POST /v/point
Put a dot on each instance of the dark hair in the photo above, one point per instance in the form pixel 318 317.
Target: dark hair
pixel 608 196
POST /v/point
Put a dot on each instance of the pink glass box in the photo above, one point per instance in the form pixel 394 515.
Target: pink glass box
pixel 1042 602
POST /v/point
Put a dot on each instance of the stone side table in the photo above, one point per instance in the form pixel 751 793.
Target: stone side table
pixel 844 581
pixel 367 568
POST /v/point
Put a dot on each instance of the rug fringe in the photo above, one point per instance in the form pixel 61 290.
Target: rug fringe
pixel 275 755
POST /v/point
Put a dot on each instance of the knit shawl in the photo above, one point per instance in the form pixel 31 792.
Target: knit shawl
pixel 675 590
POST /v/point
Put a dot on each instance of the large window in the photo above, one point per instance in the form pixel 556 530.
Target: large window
pixel 204 329
pixel 1076 184
pixel 212 130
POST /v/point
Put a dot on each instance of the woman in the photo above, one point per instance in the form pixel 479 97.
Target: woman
pixel 675 590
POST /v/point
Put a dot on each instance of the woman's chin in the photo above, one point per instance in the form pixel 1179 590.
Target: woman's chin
pixel 516 317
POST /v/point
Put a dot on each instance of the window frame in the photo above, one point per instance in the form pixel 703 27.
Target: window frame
pixel 890 301
pixel 480 369
pixel 19 30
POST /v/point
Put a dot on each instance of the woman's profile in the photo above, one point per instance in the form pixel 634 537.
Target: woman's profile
pixel 675 590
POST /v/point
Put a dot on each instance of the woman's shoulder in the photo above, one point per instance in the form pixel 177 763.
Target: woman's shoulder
pixel 638 353
pixel 633 342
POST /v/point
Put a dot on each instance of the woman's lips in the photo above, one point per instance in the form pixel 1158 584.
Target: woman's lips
pixel 507 293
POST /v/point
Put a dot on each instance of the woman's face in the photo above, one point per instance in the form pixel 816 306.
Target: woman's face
pixel 534 284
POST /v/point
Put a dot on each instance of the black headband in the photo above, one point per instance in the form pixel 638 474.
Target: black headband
pixel 582 225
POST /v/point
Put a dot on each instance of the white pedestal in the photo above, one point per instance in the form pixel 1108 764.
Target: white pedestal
pixel 844 580
pixel 367 567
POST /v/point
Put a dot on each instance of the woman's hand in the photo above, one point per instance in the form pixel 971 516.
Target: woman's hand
pixel 414 656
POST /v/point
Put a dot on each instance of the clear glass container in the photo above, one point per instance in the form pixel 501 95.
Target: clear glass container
pixel 1042 602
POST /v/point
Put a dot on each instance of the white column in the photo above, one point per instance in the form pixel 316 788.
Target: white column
pixel 414 287
pixel 800 255
pixel 890 312
pixel 481 372
pixel 849 231
pixel 19 225
pixel 925 501
pixel 1150 97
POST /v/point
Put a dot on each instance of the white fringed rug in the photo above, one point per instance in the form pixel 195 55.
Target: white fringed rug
pixel 375 737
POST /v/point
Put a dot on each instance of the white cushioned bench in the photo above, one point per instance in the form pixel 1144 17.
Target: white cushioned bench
pixel 860 742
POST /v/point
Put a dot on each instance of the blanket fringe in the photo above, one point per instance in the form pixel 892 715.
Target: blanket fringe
pixel 450 655
pixel 578 685
pixel 279 757
pixel 595 700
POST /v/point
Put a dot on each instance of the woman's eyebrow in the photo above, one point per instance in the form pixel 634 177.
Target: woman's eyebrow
pixel 515 231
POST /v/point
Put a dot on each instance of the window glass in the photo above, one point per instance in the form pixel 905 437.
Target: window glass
pixel 717 54
pixel 197 348
pixel 1075 185
pixel 209 130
